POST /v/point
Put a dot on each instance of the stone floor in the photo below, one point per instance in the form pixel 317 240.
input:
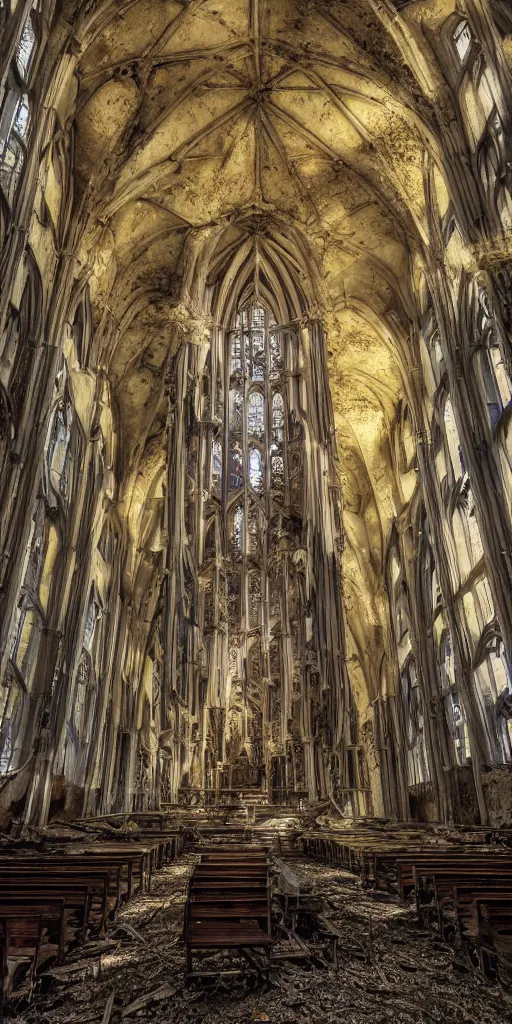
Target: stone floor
pixel 387 970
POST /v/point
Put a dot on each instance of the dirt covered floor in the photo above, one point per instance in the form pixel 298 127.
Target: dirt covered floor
pixel 387 970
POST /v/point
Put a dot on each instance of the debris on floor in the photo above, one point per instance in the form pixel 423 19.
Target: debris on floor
pixel 358 961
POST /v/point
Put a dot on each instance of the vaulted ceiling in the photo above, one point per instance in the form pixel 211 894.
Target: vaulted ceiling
pixel 215 137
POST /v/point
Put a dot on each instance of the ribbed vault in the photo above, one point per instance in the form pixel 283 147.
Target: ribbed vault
pixel 341 170
pixel 227 141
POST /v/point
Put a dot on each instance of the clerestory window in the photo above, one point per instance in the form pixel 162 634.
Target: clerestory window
pixel 463 39
pixel 15 111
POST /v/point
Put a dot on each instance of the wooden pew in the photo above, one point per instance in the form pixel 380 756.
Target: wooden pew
pixel 228 905
pixel 30 937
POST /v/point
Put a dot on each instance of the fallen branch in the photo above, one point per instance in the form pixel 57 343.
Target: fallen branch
pixel 163 992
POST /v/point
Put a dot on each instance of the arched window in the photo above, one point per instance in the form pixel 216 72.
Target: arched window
pixel 27 627
pixel 25 52
pixel 15 113
pixel 27 338
pixel 59 449
pixel 493 682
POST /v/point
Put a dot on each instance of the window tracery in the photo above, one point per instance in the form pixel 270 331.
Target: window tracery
pixel 58 476
pixel 15 112
pixel 493 681
pixel 256 415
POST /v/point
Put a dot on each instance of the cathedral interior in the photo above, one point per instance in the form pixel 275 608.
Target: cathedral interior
pixel 256 506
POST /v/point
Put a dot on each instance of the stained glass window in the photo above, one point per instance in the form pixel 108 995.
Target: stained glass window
pixel 216 466
pixel 235 466
pixel 236 353
pixel 258 320
pixel 26 48
pixel 256 469
pixel 277 418
pixel 236 404
pixel 256 415
pixel 21 117
pixel 258 357
pixel 277 466
pixel 276 353
pixel 238 528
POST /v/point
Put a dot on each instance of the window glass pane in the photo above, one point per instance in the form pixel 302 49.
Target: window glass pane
pixel 238 528
pixel 258 320
pixel 26 48
pixel 256 415
pixel 277 466
pixel 236 353
pixel 276 353
pixel 236 403
pixel 216 466
pixel 256 469
pixel 21 118
pixel 277 418
pixel 235 466
pixel 258 357
pixel 463 39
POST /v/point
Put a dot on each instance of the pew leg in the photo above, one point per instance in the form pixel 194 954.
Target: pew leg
pixel 189 960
